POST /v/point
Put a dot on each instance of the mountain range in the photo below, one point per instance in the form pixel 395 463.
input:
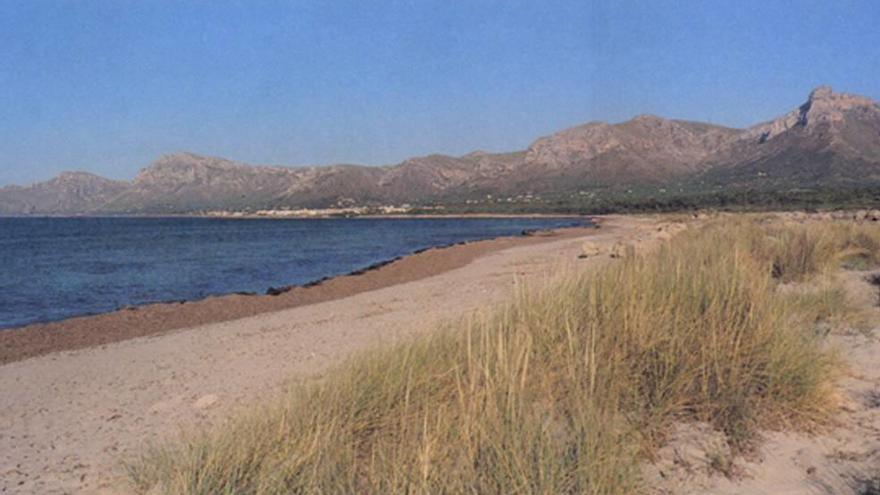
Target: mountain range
pixel 831 141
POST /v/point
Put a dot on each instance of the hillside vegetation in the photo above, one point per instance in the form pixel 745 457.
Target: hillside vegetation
pixel 566 389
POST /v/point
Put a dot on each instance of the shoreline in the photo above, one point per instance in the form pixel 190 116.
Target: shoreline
pixel 584 222
pixel 91 330
pixel 391 216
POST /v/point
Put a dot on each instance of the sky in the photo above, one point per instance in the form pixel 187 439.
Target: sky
pixel 108 86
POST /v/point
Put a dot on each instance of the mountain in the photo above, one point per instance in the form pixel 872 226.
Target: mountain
pixel 831 141
pixel 189 182
pixel 70 192
pixel 646 149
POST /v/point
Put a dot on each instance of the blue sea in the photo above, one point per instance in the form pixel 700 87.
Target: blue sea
pixel 56 268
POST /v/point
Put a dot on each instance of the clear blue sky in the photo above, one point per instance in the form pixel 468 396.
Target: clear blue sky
pixel 108 86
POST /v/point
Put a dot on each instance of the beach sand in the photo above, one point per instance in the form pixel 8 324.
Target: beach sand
pixel 86 401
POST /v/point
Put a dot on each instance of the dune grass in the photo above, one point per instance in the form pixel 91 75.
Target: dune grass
pixel 564 390
pixel 798 251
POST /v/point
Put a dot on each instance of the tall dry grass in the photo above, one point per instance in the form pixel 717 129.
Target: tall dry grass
pixel 798 251
pixel 564 390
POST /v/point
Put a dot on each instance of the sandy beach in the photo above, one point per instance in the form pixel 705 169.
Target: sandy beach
pixel 81 404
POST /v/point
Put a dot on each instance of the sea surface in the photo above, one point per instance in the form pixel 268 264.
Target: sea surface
pixel 56 268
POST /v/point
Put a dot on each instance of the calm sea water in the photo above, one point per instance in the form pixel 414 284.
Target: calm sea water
pixel 55 268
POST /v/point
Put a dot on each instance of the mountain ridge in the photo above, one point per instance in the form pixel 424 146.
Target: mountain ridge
pixel 831 140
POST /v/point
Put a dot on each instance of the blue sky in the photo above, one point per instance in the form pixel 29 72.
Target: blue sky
pixel 108 86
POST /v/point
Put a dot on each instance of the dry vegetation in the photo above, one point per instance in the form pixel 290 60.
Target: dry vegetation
pixel 569 387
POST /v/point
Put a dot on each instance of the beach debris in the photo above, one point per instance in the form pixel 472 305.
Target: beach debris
pixel 374 266
pixel 538 232
pixel 277 291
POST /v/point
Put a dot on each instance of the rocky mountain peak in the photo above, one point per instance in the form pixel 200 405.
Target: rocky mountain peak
pixel 79 179
pixel 824 105
pixel 182 167
pixel 76 176
pixel 821 93
pixel 478 153
pixel 179 158
pixel 575 144
pixel 648 117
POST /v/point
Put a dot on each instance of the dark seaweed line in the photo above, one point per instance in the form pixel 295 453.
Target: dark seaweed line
pixel 276 291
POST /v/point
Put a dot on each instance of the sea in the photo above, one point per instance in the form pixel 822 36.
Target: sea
pixel 57 268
